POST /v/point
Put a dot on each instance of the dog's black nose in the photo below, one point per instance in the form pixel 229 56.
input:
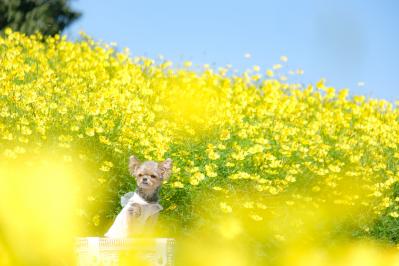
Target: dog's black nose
pixel 145 179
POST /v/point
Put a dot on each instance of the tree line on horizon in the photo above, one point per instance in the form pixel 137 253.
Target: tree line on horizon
pixel 49 17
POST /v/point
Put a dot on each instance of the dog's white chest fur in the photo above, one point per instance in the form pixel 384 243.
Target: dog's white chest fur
pixel 120 227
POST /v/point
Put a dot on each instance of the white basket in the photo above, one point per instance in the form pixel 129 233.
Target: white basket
pixel 107 251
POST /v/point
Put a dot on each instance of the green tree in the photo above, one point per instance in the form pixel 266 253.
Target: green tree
pixel 29 16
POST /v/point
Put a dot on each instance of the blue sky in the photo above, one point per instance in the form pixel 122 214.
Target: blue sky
pixel 346 42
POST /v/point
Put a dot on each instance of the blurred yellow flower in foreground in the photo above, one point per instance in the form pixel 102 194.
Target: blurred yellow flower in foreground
pixel 225 207
pixel 39 200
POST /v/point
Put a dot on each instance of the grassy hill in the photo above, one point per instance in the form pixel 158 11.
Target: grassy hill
pixel 261 164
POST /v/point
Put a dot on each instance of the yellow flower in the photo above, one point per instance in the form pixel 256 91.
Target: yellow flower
pixel 334 168
pixel 273 190
pixel 283 78
pixel 256 217
pixel 255 149
pixel 230 164
pixel 240 175
pixel 171 207
pixel 394 214
pixel 320 84
pixel 8 31
pixel 290 178
pixel 280 237
pixel 74 128
pixel 261 206
pixel 239 155
pixel 225 135
pixel 26 130
pixel 99 129
pixel 105 168
pixel 225 207
pixel 221 147
pixel 187 63
pixel 90 132
pixel 210 170
pixel 104 140
pixel 196 178
pixel 316 188
pixel 107 163
pixel 284 58
pixel 213 155
pixel 194 181
pixel 96 220
pixel 177 184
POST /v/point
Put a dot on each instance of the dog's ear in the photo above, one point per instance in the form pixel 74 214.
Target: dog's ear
pixel 134 163
pixel 166 168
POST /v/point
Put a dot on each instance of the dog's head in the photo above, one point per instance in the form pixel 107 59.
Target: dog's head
pixel 149 174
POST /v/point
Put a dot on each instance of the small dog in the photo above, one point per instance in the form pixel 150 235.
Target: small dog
pixel 141 208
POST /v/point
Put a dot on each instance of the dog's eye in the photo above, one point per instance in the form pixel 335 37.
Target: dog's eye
pixel 153 176
pixel 140 175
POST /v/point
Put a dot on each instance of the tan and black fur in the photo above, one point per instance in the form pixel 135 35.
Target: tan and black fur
pixel 149 178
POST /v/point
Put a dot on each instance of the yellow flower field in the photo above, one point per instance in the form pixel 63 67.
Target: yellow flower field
pixel 262 166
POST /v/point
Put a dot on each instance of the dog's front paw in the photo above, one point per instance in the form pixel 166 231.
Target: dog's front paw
pixel 134 210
